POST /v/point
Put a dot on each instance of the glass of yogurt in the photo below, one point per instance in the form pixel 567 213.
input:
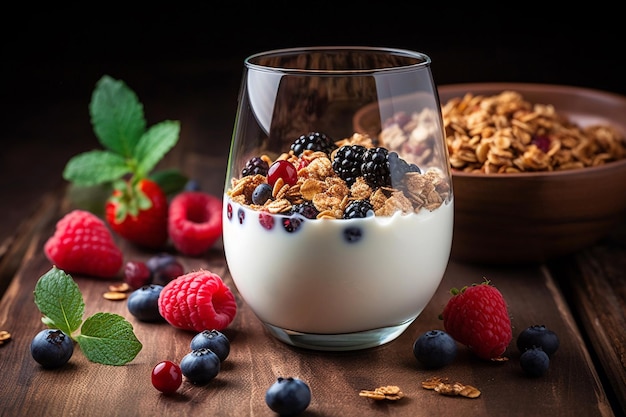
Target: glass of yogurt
pixel 338 202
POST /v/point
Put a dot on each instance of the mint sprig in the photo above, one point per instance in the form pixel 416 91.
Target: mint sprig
pixel 130 148
pixel 104 338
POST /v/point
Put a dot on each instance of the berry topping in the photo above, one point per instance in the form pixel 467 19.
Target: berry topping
pixel 195 222
pixel 167 377
pixel 282 169
pixel 164 267
pixel 535 362
pixel 358 209
pixel 375 167
pixel 197 301
pixel 137 274
pixel 288 396
pixel 82 244
pixel 434 349
pixel 143 303
pixel 255 166
pixel 538 336
pixel 200 366
pixel 398 167
pixel 313 141
pixel 477 317
pixel 213 340
pixel 261 194
pixel 347 162
pixel 51 348
pixel 306 209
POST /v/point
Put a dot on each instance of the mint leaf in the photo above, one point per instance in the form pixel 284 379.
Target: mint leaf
pixel 95 167
pixel 108 339
pixel 171 181
pixel 117 116
pixel 60 301
pixel 154 144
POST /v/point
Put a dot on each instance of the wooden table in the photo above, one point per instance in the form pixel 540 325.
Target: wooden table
pixel 581 297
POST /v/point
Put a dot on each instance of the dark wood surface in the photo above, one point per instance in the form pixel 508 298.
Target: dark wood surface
pixel 167 62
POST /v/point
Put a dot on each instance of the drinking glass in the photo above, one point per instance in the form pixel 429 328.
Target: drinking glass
pixel 338 201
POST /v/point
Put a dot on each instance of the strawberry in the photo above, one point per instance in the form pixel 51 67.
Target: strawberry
pixel 137 211
pixel 194 221
pixel 197 301
pixel 83 244
pixel 477 316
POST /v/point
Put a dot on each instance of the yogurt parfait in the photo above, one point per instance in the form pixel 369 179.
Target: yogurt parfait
pixel 337 245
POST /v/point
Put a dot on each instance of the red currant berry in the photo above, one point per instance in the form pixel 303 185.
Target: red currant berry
pixel 167 377
pixel 137 274
pixel 282 169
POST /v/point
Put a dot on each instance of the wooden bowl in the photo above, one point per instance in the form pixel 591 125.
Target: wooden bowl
pixel 534 217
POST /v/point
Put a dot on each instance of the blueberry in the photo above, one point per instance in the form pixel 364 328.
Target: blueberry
pixel 288 396
pixel 213 340
pixel 143 303
pixel 534 361
pixel 261 193
pixel 51 348
pixel 200 366
pixel 538 336
pixel 352 234
pixel 164 268
pixel 435 349
pixel 192 185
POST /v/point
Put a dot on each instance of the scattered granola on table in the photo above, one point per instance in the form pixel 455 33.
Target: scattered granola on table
pixel 4 337
pixel 389 392
pixel 444 387
pixel 505 133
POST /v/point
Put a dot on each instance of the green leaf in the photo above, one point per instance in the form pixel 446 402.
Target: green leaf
pixel 60 301
pixel 154 144
pixel 171 181
pixel 95 167
pixel 108 339
pixel 116 116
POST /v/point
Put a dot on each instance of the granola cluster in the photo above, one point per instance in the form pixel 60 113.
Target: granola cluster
pixel 505 133
pixel 318 183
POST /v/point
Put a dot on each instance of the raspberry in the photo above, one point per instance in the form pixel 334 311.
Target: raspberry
pixel 83 244
pixel 194 221
pixel 197 301
pixel 477 316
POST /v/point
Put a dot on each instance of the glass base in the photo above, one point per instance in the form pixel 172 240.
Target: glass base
pixel 339 342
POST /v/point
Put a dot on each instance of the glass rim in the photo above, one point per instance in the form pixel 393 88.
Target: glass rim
pixel 421 60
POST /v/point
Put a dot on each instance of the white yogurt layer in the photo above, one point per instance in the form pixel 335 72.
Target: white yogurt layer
pixel 314 280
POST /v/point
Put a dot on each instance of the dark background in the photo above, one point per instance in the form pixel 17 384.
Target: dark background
pixel 184 59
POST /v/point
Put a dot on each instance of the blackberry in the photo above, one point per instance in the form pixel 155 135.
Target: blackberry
pixel 255 166
pixel 398 167
pixel 347 162
pixel 306 209
pixel 375 167
pixel 358 209
pixel 314 141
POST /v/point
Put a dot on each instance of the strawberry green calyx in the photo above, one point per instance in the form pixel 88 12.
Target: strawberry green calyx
pixel 129 199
